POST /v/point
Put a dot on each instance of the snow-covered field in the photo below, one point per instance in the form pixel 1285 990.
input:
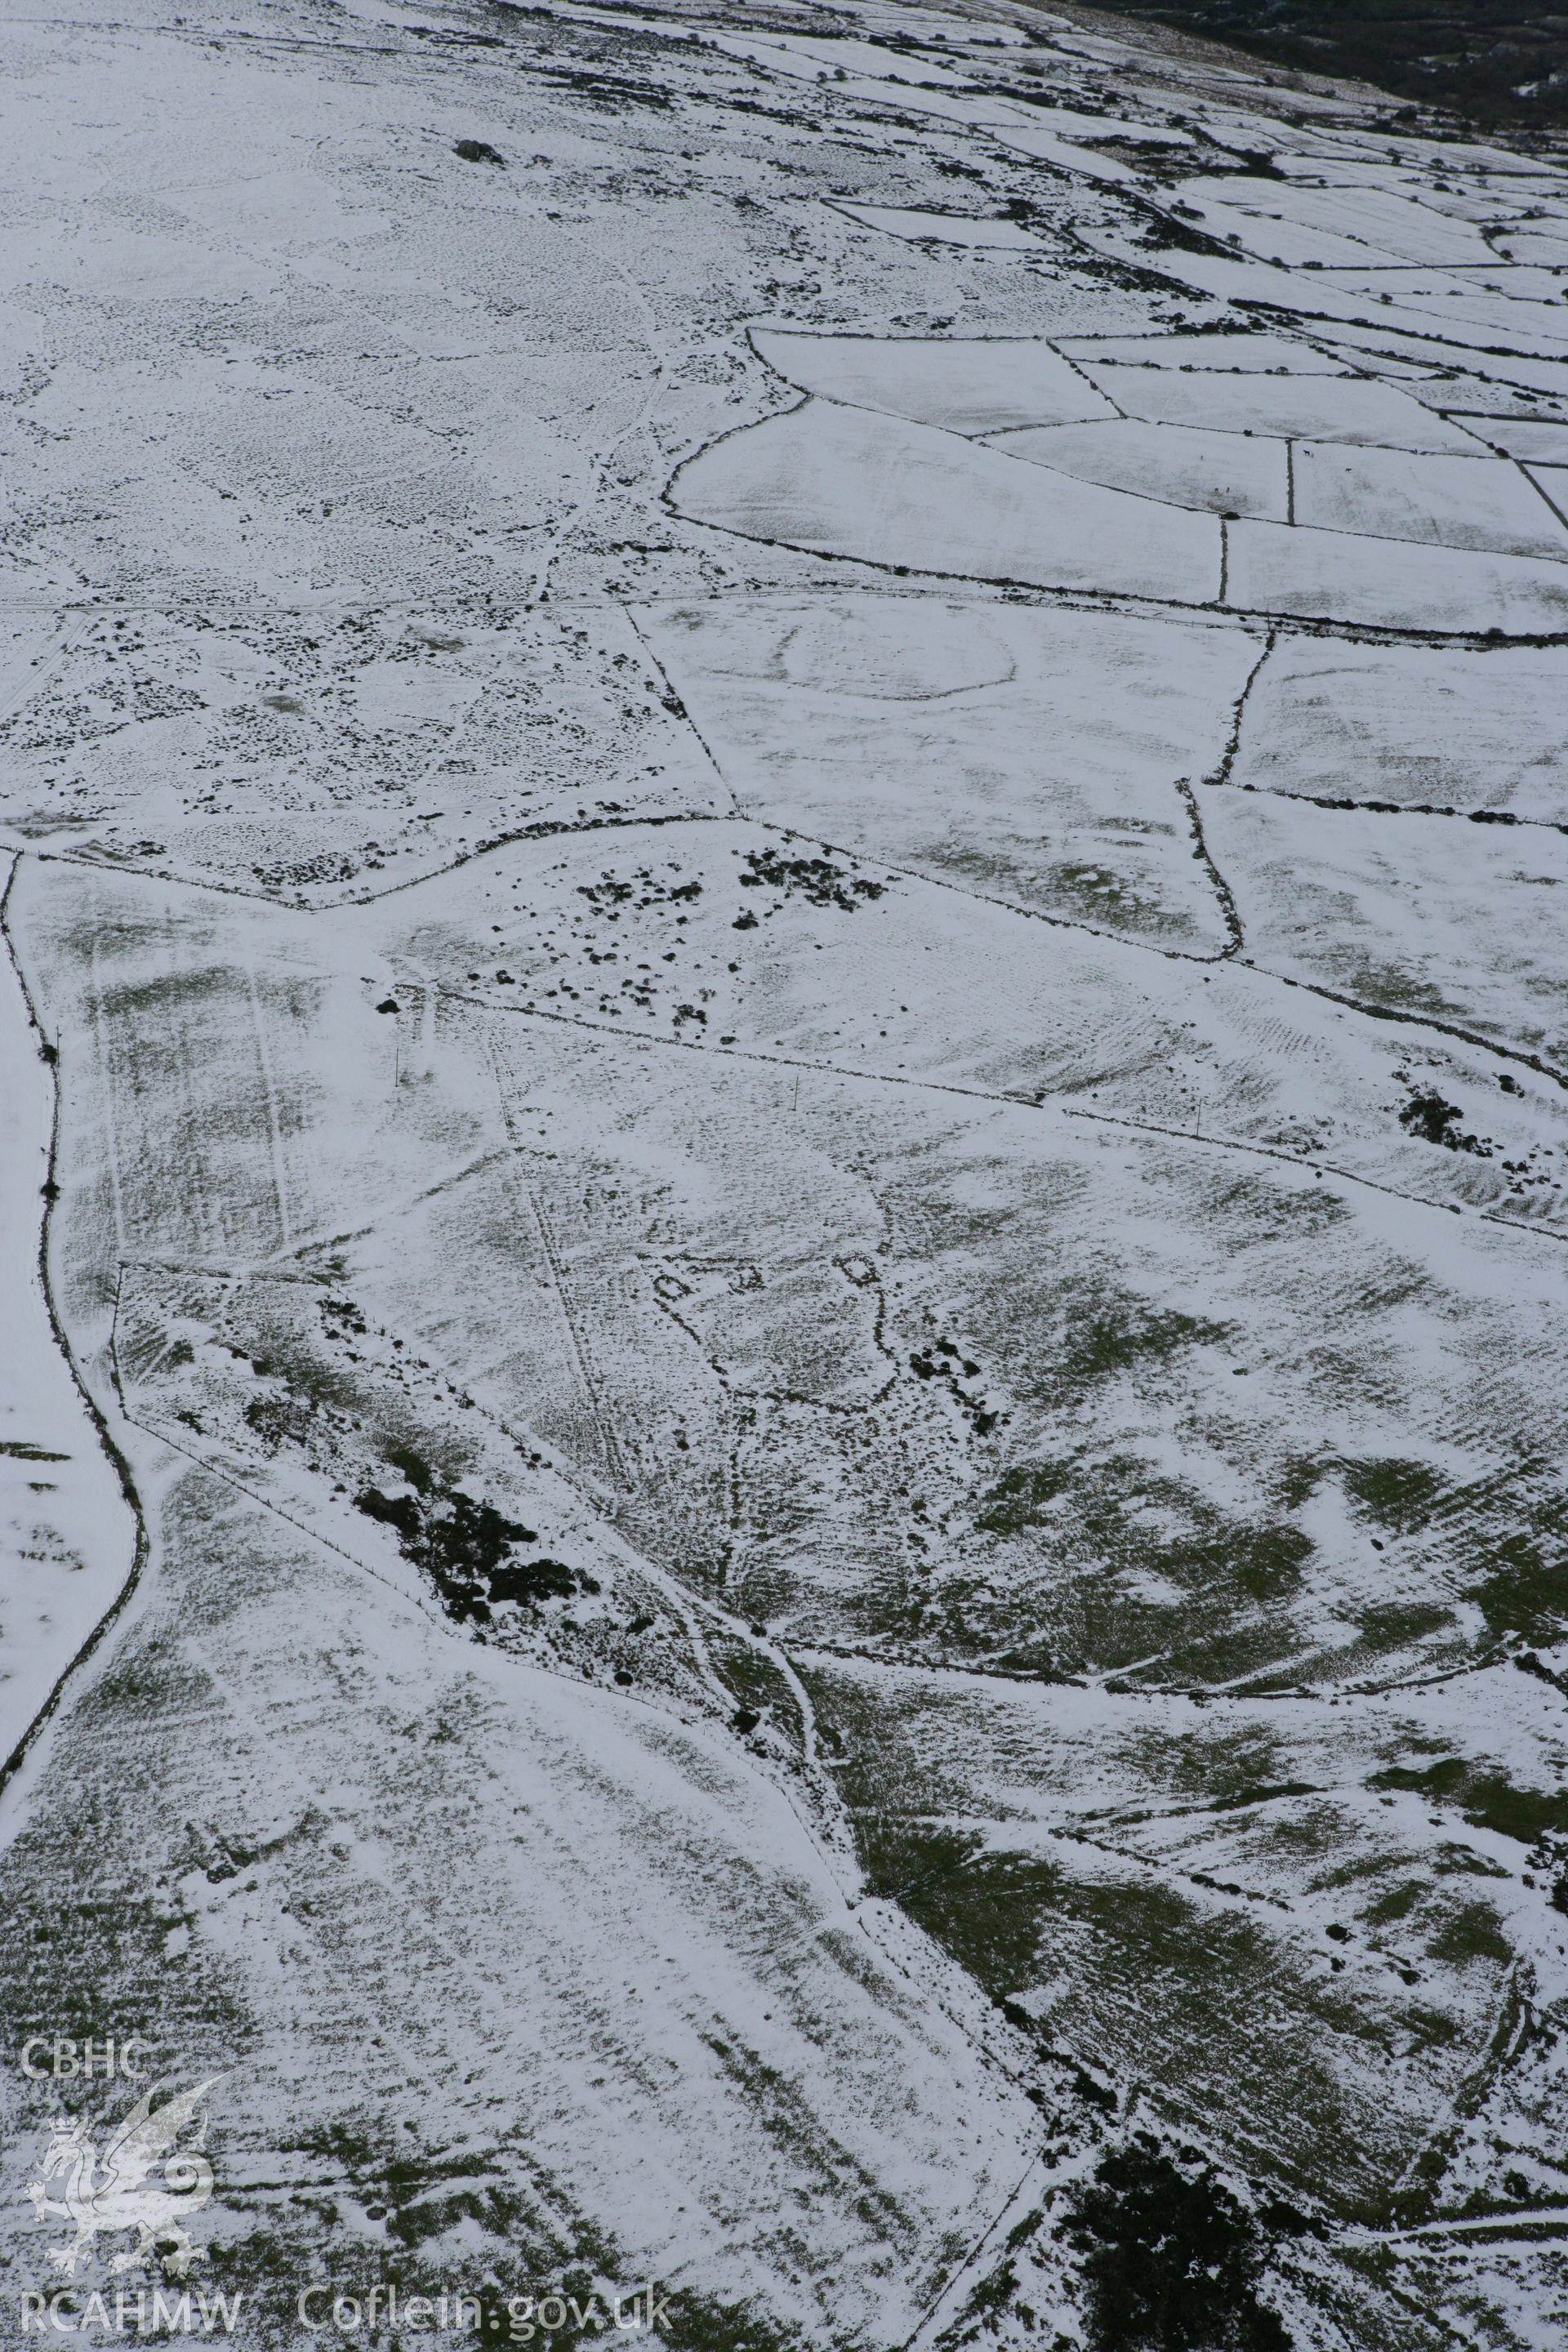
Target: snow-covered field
pixel 784 1356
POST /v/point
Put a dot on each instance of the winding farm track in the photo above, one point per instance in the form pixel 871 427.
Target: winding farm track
pixel 48 1704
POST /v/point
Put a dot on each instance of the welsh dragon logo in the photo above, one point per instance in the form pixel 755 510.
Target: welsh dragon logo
pixel 121 2193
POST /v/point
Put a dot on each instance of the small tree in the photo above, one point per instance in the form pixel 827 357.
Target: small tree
pixel 1171 2259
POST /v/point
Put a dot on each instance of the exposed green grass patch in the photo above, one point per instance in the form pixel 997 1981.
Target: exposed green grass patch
pixel 1486 1799
pixel 984 1908
pixel 1471 1934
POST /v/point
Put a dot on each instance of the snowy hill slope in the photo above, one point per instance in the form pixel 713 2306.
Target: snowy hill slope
pixel 785 1359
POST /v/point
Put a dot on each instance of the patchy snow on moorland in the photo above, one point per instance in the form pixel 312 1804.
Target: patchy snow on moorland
pixel 783 1359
